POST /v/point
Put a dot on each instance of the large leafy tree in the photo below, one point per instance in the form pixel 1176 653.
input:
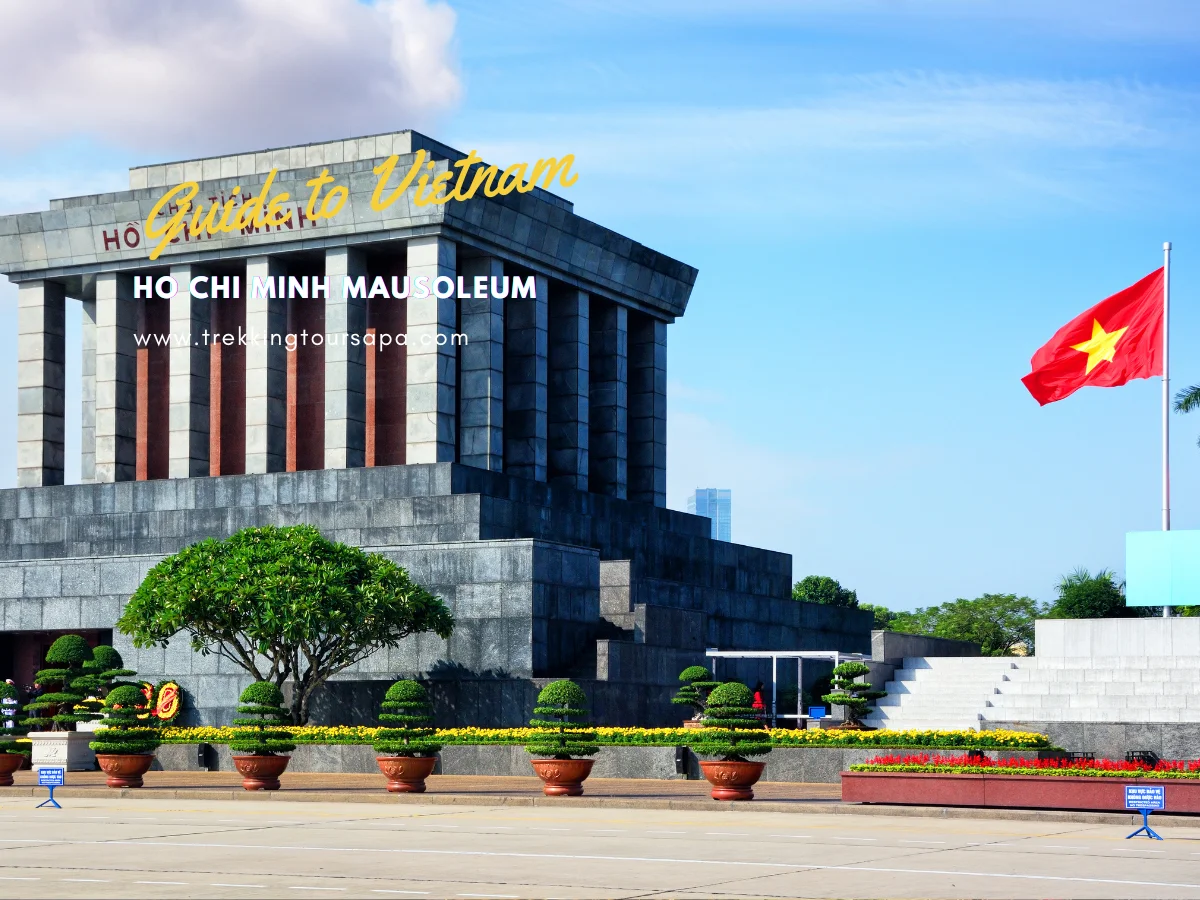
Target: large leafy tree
pixel 996 622
pixel 1187 400
pixel 1082 595
pixel 283 604
pixel 826 590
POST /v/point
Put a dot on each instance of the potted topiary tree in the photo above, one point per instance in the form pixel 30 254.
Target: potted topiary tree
pixel 854 695
pixel 258 742
pixel 407 751
pixel 561 734
pixel 53 716
pixel 125 745
pixel 697 682
pixel 11 758
pixel 732 731
pixel 100 676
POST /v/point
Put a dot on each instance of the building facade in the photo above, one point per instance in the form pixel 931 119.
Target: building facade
pixel 717 505
pixel 511 453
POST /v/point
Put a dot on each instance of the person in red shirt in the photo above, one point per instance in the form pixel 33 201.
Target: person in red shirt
pixel 759 704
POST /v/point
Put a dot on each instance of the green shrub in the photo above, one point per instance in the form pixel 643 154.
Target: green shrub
pixel 8 735
pixel 55 709
pixel 560 720
pixel 258 731
pixel 407 705
pixel 731 729
pixel 851 693
pixel 100 676
pixel 697 684
pixel 124 732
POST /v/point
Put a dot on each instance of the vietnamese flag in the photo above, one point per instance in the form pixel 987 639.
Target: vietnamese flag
pixel 1117 340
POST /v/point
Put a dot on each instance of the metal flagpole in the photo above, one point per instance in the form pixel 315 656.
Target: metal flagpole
pixel 1166 397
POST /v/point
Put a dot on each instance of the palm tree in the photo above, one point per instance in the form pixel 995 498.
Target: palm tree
pixel 1188 400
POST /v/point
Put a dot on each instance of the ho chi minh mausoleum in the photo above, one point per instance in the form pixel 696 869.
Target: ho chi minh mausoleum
pixel 521 475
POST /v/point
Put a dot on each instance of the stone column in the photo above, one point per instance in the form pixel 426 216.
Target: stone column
pixel 345 363
pixel 430 396
pixel 266 371
pixel 570 333
pixel 87 393
pixel 41 354
pixel 116 378
pixel 609 411
pixel 481 370
pixel 189 416
pixel 647 410
pixel 527 383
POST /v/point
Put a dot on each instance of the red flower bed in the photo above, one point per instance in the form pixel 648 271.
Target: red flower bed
pixel 975 765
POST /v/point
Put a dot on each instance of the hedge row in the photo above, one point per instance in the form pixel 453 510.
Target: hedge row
pixel 1028 770
pixel 648 737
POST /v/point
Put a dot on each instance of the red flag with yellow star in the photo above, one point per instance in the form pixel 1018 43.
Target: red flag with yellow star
pixel 1117 340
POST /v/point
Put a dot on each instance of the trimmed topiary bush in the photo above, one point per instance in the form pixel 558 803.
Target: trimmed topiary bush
pixel 731 729
pixel 100 676
pixel 856 696
pixel 697 685
pixel 261 713
pixel 407 706
pixel 124 731
pixel 55 709
pixel 560 720
pixel 8 710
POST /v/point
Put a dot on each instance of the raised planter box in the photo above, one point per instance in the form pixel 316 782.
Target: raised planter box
pixel 63 748
pixel 822 765
pixel 1105 794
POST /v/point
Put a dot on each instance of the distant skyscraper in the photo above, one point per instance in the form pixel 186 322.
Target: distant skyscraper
pixel 716 503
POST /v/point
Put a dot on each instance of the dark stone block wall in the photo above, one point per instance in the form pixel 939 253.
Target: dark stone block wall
pixel 544 581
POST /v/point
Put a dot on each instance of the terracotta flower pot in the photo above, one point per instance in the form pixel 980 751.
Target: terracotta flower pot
pixel 731 780
pixel 9 763
pixel 261 773
pixel 125 770
pixel 563 777
pixel 406 774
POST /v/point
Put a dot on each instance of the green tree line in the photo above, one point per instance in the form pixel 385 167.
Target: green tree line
pixel 1000 623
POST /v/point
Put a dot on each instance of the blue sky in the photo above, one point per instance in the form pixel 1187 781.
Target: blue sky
pixel 892 205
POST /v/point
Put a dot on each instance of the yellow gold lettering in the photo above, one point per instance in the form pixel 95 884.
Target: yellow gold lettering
pixel 517 174
pixel 254 212
pixel 337 196
pixel 316 184
pixel 384 171
pixel 172 228
pixel 463 165
pixel 552 166
pixel 439 184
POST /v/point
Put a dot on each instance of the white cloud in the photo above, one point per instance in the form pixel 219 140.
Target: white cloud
pixel 222 75
pixel 894 146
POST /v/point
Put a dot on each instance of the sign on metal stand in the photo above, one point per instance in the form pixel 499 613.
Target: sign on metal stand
pixel 51 777
pixel 1145 798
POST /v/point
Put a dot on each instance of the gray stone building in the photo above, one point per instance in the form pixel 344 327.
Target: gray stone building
pixel 520 474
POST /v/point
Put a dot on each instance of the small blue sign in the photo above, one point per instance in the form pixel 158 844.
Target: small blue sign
pixel 1145 796
pixel 51 776
pixel 816 712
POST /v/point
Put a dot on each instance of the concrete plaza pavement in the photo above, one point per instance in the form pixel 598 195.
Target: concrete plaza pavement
pixel 134 847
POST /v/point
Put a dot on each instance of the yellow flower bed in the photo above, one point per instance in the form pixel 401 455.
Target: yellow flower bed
pixel 653 737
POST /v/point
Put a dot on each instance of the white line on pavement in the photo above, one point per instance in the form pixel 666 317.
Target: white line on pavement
pixel 728 833
pixel 17 878
pixel 666 832
pixel 394 891
pixel 512 854
pixel 182 883
pixel 790 835
pixel 299 887
pixel 1137 850
pixel 499 896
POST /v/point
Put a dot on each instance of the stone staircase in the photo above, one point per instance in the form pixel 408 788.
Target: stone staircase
pixel 970 692
pixel 941 692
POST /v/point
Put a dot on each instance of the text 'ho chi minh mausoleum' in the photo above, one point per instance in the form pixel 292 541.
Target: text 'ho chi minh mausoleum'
pixel 520 475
